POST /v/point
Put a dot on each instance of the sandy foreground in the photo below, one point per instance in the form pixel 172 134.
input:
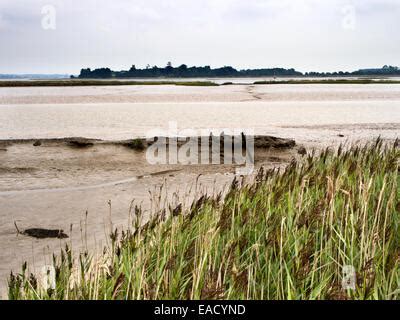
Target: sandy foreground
pixel 88 191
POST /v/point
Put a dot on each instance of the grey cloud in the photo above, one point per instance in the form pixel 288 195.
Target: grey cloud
pixel 305 34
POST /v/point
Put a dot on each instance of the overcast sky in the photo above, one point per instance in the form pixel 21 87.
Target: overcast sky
pixel 319 35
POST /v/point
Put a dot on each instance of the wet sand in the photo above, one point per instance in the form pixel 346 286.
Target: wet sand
pixel 54 185
pixel 183 94
pixel 316 113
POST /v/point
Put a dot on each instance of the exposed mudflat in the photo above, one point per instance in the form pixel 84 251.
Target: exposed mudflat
pixel 53 185
pixel 182 94
pixel 87 189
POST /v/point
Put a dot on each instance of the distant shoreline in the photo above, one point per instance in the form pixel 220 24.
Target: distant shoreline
pixel 117 82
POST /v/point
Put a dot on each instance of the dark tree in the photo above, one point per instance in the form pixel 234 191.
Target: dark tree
pixel 183 71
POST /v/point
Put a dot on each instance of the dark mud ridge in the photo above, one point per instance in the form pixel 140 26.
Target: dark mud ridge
pixel 260 141
pixel 40 233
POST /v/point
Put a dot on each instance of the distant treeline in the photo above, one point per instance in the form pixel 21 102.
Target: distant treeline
pixel 183 71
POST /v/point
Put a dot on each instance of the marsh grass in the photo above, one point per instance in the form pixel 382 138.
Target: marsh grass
pixel 113 82
pixel 94 82
pixel 285 235
pixel 330 81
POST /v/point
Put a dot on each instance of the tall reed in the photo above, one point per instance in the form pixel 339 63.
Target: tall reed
pixel 286 235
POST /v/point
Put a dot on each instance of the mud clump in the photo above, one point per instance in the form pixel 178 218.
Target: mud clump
pixel 273 142
pixel 136 144
pixel 40 233
pixel 80 143
pixel 45 233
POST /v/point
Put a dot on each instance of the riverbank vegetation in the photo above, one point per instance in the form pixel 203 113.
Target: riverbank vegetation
pixel 93 82
pixel 183 71
pixel 285 235
pixel 100 82
pixel 329 81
